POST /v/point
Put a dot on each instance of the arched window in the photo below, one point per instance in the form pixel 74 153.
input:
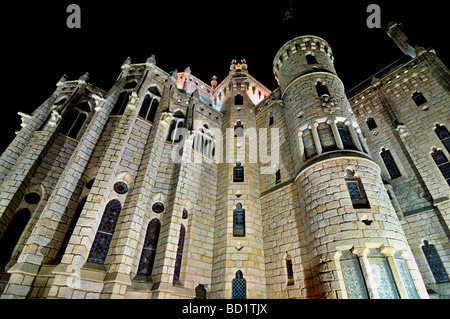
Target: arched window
pixel 308 144
pixel 371 124
pixel 69 231
pixel 326 137
pixel 149 250
pixel 442 162
pixel 321 89
pixel 76 119
pixel 355 284
pixel 418 98
pixel 443 135
pixel 105 232
pixel 148 108
pixel 121 104
pixel 346 137
pixel 390 163
pixel 176 128
pixel 238 172
pixel 239 129
pixel 356 190
pixel 435 263
pixel 12 235
pixel 382 275
pixel 179 258
pixel 239 221
pixel 311 59
pixel 204 142
pixel 238 99
pixel 239 286
pixel 200 292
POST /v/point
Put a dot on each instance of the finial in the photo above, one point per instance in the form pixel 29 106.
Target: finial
pixel 187 70
pixel 62 80
pixel 151 61
pixel 85 77
pixel 214 82
pixel 126 63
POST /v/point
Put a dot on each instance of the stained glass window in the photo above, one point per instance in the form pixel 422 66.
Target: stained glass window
pixel 390 163
pixel 239 221
pixel 120 188
pixel 353 189
pixel 12 235
pixel 326 137
pixel 356 190
pixel 345 135
pixel 239 286
pixel 406 277
pixel 442 162
pixel 444 135
pixel 382 275
pixel 435 263
pixel 105 232
pixel 353 277
pixel 238 172
pixel 158 207
pixel 149 250
pixel 308 143
pixel 179 258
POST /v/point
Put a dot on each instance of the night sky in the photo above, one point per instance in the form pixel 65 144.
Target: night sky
pixel 37 47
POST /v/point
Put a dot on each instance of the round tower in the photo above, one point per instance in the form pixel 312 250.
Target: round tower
pixel 353 238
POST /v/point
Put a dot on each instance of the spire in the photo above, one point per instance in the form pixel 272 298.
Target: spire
pixel 396 32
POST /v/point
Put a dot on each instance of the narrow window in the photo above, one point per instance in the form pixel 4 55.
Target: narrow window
pixel 152 112
pixel 435 263
pixel 308 144
pixel 418 98
pixel 390 163
pixel 145 106
pixel 382 275
pixel 69 232
pixel 311 59
pixel 443 135
pixel 238 99
pixel 76 119
pixel 121 104
pixel 271 121
pixel 239 221
pixel 289 271
pixel 277 177
pixel 239 286
pixel 405 274
pixel 356 190
pixel 442 162
pixel 355 284
pixel 105 232
pixel 149 250
pixel 238 172
pixel 345 135
pixel 179 258
pixel 12 235
pixel 176 128
pixel 326 137
pixel 322 90
pixel 371 124
pixel 239 129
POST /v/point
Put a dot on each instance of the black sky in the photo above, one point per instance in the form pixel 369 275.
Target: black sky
pixel 37 48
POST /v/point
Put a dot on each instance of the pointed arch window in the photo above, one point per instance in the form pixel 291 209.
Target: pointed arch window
pixel 435 263
pixel 149 250
pixel 149 105
pixel 346 137
pixel 204 142
pixel 356 190
pixel 326 137
pixel 179 258
pixel 442 162
pixel 355 284
pixel 12 235
pixel 176 128
pixel 105 232
pixel 389 162
pixel 121 104
pixel 444 135
pixel 308 144
pixel 76 119
pixel 239 286
pixel 239 221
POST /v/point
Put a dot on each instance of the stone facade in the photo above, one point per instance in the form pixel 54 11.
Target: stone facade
pixel 287 189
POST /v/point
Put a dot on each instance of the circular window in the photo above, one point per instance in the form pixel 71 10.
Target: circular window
pixel 32 198
pixel 158 207
pixel 120 188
